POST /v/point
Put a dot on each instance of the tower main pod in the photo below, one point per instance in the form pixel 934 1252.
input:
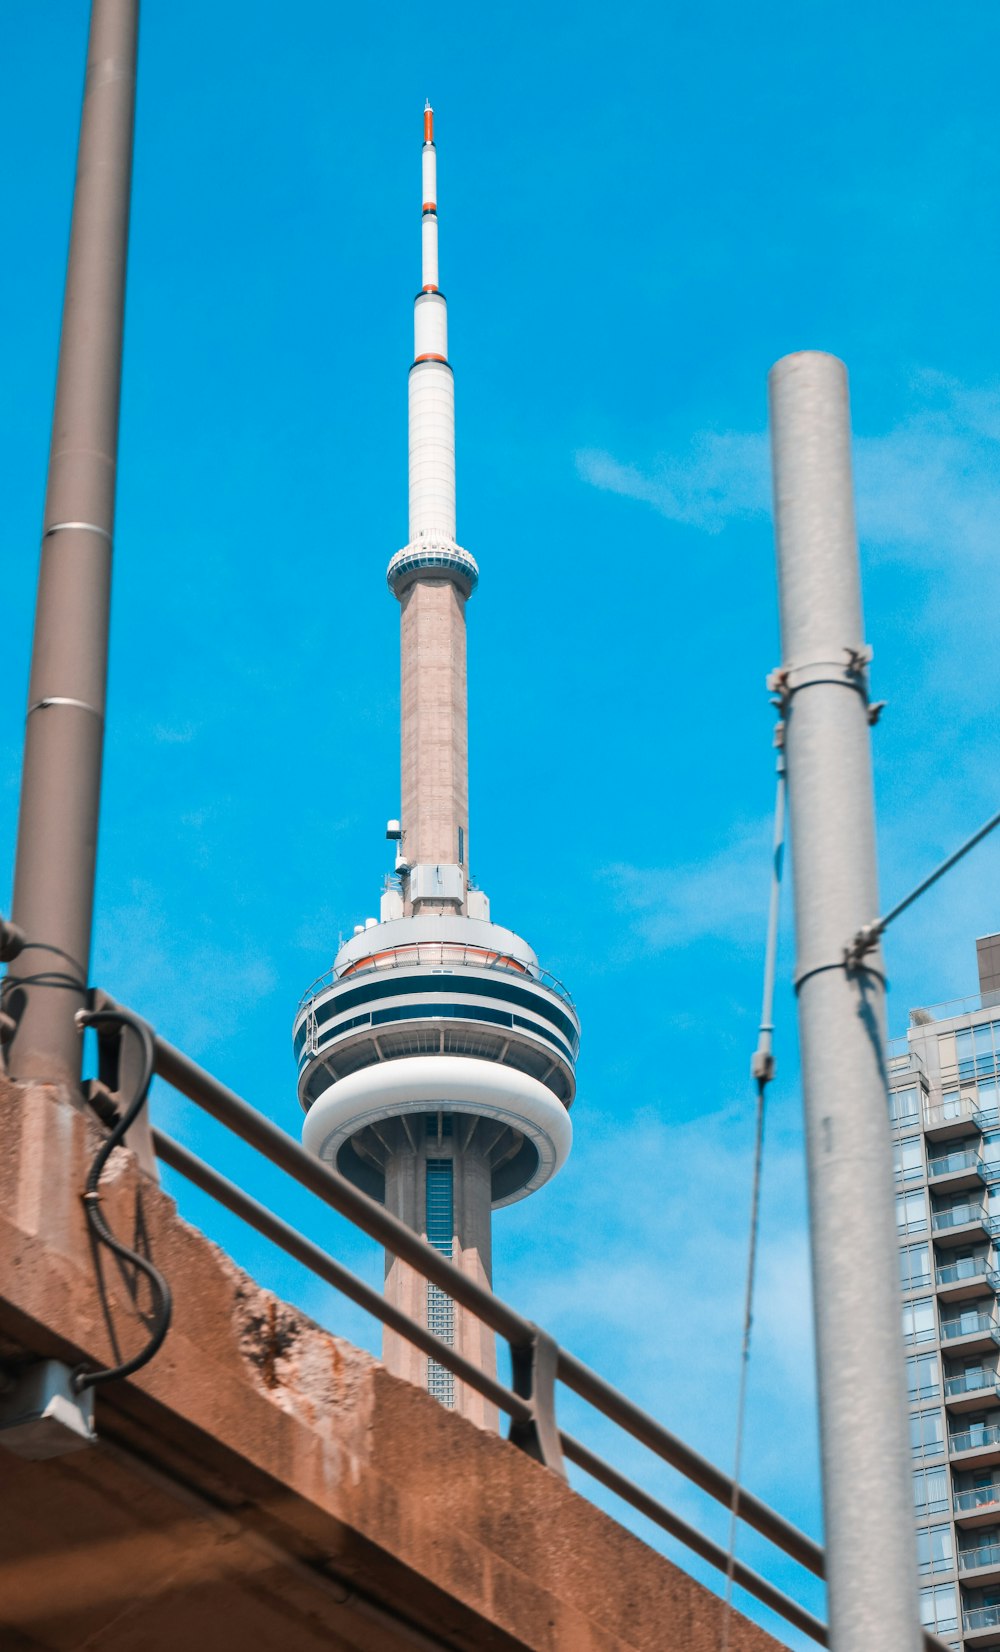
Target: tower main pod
pixel 436 1059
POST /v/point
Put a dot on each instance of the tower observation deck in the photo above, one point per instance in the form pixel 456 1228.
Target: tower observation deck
pixel 436 1058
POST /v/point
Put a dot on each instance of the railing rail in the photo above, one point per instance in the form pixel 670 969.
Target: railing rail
pixel 981 1617
pixel 985 1554
pixel 959 1217
pixel 972 1382
pixel 537 1360
pixel 969 1325
pixel 956 1273
pixel 947 1164
pixel 968 1439
pixel 978 1497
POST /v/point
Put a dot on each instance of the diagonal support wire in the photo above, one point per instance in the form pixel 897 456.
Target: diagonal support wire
pixel 762 1071
pixel 868 937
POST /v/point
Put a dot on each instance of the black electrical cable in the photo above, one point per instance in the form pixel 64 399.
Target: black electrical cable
pixel 160 1290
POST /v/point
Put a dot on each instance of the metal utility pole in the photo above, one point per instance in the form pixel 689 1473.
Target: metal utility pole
pixel 867 1496
pixel 60 788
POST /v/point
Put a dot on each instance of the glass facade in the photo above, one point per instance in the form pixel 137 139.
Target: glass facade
pixel 930 1490
pixel 927 1433
pixel 939 1607
pixel 440 1191
pixel 911 1212
pixel 914 1267
pixel 935 1549
pixel 920 1320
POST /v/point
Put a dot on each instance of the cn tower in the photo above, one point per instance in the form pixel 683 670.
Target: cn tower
pixel 436 1058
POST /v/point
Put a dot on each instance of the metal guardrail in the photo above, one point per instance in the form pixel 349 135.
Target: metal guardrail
pixel 950 1009
pixel 958 1273
pixel 987 1554
pixel 441 955
pixel 981 1617
pixel 537 1361
pixel 974 1439
pixel 949 1164
pixel 951 1328
pixel 978 1497
pixel 961 1216
pixel 984 1382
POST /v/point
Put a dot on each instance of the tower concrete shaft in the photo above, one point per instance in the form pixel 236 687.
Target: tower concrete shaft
pixel 418 1185
pixel 434 728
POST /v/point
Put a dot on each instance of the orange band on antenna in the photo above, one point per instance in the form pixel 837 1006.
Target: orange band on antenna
pixel 428 125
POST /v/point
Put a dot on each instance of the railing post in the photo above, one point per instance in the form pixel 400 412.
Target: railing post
pixel 871 1562
pixel 60 786
pixel 534 1369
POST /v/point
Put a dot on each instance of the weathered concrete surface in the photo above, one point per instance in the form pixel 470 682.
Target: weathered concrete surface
pixel 263 1485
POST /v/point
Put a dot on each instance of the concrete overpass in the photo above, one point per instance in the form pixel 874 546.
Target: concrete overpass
pixel 262 1484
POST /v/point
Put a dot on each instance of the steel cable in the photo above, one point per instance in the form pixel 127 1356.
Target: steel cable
pixel 762 1071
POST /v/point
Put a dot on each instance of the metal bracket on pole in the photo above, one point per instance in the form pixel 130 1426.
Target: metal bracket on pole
pixel 535 1367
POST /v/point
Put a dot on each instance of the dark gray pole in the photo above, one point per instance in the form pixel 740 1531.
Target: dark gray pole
pixel 60 787
pixel 871 1563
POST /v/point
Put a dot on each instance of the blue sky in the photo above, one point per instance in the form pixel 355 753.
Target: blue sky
pixel 641 209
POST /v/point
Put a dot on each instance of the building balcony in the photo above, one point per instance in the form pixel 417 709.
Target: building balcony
pixel 977 1506
pixel 971 1391
pixel 962 1225
pixel 980 1566
pixel 973 1333
pixel 961 1168
pixel 951 1120
pixel 972 1446
pixel 981 1625
pixel 957 1281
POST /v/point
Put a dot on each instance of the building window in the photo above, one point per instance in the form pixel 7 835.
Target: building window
pixel 976 1050
pixel 935 1550
pixel 911 1212
pixel 908 1159
pixel 938 1607
pixel 930 1491
pixel 923 1376
pixel 914 1267
pixel 919 1320
pixel 440 1308
pixel 927 1433
pixel 905 1104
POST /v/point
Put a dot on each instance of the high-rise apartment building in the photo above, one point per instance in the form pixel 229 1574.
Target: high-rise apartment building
pixel 436 1059
pixel 944 1081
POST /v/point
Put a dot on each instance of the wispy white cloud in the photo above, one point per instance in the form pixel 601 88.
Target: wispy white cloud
pixel 722 896
pixel 929 486
pixel 725 475
pixel 196 991
pixel 180 734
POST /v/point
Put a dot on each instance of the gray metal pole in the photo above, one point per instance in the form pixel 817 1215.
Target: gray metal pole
pixel 867 1496
pixel 60 787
